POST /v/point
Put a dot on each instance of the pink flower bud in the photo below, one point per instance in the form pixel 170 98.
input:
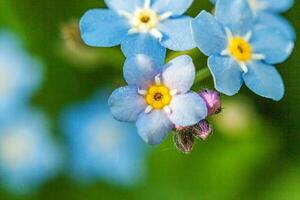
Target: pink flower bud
pixel 203 130
pixel 212 100
pixel 179 128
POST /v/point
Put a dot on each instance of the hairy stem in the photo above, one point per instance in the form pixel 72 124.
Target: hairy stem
pixel 202 74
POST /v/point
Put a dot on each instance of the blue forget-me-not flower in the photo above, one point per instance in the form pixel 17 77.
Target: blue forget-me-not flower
pixel 140 26
pixel 157 98
pixel 241 52
pixel 20 75
pixel 267 13
pixel 99 147
pixel 28 155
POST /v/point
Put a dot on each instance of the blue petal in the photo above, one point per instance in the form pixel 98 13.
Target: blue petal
pixel 22 74
pixel 154 127
pixel 236 15
pixel 177 34
pixel 144 44
pixel 34 167
pixel 179 74
pixel 187 109
pixel 125 5
pixel 278 5
pixel 10 43
pixel 271 43
pixel 126 104
pixel 176 7
pixel 103 28
pixel 227 74
pixel 86 126
pixel 264 80
pixel 140 71
pixel 209 34
pixel 276 22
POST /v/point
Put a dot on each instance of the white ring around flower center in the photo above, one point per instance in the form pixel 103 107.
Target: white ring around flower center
pixel 163 93
pixel 145 20
pixel 246 38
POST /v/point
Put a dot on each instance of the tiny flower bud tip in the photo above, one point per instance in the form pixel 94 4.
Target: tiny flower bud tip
pixel 212 100
pixel 184 141
pixel 203 130
pixel 179 128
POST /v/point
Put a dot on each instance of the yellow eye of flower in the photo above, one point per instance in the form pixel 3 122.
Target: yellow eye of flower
pixel 145 20
pixel 158 96
pixel 240 49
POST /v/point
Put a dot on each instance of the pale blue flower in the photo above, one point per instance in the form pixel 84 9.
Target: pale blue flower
pixel 158 97
pixel 241 52
pixel 267 13
pixel 20 75
pixel 28 155
pixel 140 26
pixel 99 147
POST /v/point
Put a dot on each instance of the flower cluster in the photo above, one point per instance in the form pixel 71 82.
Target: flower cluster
pixel 240 50
pixel 28 155
pixel 184 136
pixel 243 39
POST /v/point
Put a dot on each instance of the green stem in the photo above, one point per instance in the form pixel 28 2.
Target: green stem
pixel 201 75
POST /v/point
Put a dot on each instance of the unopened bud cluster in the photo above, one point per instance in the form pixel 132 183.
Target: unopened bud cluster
pixel 184 137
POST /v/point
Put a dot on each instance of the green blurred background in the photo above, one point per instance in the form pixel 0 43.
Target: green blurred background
pixel 253 154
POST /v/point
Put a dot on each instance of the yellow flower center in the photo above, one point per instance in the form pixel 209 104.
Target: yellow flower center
pixel 158 96
pixel 145 20
pixel 240 49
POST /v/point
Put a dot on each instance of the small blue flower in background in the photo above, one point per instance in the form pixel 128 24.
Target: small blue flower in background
pixel 241 52
pixel 140 26
pixel 267 13
pixel 157 98
pixel 101 147
pixel 20 75
pixel 28 156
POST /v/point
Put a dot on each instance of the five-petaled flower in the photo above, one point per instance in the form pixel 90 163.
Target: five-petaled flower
pixel 140 26
pixel 241 52
pixel 28 154
pixel 97 143
pixel 266 13
pixel 158 98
